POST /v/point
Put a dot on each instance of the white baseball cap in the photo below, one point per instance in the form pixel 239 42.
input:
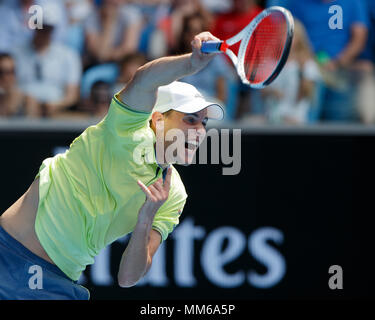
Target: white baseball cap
pixel 184 97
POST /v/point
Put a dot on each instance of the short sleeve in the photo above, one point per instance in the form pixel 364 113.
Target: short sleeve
pixel 122 118
pixel 168 216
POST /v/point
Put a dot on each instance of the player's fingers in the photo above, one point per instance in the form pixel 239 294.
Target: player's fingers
pixel 158 185
pixel 196 43
pixel 207 36
pixel 158 195
pixel 167 182
pixel 153 190
pixel 144 189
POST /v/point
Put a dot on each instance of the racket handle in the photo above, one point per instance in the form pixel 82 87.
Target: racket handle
pixel 212 46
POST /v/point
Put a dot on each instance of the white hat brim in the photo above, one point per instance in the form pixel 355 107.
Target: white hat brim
pixel 214 110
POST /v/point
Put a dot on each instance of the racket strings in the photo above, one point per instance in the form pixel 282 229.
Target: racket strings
pixel 265 48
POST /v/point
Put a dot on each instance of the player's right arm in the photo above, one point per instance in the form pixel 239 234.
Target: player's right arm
pixel 144 241
pixel 140 93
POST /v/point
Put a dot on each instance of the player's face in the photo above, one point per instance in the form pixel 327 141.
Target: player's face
pixel 192 126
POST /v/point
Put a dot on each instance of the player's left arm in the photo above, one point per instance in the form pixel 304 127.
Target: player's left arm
pixel 137 258
pixel 140 92
pixel 144 242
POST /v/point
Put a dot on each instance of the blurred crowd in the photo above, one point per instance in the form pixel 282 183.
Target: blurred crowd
pixel 87 50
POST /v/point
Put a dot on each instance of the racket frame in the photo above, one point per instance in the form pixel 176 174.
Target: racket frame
pixel 244 36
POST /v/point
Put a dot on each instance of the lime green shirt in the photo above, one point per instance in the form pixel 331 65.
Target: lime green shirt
pixel 89 197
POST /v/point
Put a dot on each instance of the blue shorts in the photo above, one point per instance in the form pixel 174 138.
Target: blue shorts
pixel 25 276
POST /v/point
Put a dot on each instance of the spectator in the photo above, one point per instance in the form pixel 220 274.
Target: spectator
pixel 78 10
pixel 366 94
pixel 57 9
pixel 13 102
pixel 112 32
pixel 228 24
pixel 371 8
pixel 127 68
pixel 338 50
pixel 152 41
pixel 172 24
pixel 281 3
pixel 289 98
pixel 48 71
pixel 14 29
pixel 213 80
pixel 113 75
pixel 77 13
pixel 100 98
pixel 18 21
pixel 217 6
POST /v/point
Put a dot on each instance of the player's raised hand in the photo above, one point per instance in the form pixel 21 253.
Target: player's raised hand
pixel 198 58
pixel 157 193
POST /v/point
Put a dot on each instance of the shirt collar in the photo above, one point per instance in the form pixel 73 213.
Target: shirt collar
pixel 153 158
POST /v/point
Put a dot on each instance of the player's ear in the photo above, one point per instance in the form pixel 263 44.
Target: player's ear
pixel 156 116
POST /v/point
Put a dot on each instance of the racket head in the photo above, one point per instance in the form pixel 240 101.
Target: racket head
pixel 264 47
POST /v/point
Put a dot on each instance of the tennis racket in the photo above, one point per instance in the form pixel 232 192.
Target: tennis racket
pixel 264 48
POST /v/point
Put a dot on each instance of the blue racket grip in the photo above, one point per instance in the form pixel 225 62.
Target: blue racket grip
pixel 211 46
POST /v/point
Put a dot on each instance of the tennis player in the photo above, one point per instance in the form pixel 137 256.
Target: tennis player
pixel 98 190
